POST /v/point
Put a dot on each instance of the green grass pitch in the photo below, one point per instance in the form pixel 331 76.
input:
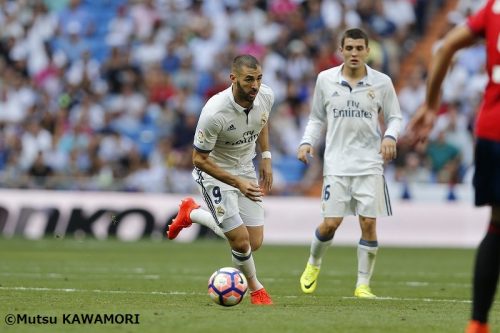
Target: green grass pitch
pixel 420 290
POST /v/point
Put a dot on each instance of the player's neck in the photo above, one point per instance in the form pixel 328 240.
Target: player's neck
pixel 243 104
pixel 353 75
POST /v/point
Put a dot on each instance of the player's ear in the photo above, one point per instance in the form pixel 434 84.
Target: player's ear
pixel 232 77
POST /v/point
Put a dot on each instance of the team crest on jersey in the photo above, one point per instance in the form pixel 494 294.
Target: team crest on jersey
pixel 263 119
pixel 371 94
pixel 220 211
pixel 200 137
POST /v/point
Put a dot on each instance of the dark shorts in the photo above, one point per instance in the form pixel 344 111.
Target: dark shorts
pixel 487 173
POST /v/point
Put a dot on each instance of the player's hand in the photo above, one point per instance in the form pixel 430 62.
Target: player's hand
pixel 388 149
pixel 250 189
pixel 420 126
pixel 304 150
pixel 266 174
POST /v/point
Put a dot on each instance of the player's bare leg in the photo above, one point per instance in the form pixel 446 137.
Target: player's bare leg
pixel 256 235
pixel 486 274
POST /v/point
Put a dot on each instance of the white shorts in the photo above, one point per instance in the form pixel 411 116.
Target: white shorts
pixel 228 206
pixel 366 195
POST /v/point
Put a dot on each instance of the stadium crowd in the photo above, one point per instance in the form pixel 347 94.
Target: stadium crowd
pixel 105 94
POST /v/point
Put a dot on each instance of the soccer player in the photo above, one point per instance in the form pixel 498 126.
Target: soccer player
pixel 484 23
pixel 349 99
pixel 230 125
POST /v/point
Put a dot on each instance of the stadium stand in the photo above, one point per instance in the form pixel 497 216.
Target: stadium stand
pixel 104 94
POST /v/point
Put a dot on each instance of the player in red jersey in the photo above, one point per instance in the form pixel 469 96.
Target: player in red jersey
pixel 486 24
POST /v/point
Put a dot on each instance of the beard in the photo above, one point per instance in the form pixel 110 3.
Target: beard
pixel 244 95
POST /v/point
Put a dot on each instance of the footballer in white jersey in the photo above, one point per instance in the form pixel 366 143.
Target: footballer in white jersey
pixel 348 100
pixel 351 115
pixel 228 132
pixel 231 125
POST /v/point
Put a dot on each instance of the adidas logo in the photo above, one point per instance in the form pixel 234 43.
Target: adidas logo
pixel 231 128
pixel 335 94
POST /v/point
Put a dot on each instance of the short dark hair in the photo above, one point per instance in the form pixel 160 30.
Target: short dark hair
pixel 246 60
pixel 355 33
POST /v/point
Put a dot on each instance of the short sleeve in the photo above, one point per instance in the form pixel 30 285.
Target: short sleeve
pixel 477 22
pixel 207 132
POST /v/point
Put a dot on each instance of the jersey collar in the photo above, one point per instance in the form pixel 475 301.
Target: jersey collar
pixel 366 81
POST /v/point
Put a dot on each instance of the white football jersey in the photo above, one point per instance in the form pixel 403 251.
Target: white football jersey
pixel 228 132
pixel 351 116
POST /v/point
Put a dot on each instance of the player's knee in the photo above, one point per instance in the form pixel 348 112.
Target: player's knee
pixel 329 226
pixel 256 243
pixel 368 225
pixel 240 243
pixel 325 232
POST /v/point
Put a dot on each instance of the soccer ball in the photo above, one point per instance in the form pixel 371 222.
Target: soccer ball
pixel 227 286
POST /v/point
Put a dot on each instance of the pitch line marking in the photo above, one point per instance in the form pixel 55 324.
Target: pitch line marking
pixel 74 290
pixel 62 275
pixel 414 299
pixel 173 293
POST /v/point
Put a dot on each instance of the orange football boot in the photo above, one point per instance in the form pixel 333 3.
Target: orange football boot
pixel 260 297
pixel 477 327
pixel 182 220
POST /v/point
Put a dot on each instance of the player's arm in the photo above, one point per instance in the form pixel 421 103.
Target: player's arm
pixel 421 124
pixel 315 124
pixel 458 38
pixel 393 119
pixel 202 161
pixel 265 166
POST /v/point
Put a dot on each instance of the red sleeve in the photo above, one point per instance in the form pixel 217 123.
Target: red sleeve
pixel 477 21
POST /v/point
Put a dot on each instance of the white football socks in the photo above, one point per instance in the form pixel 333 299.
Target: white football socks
pixel 203 217
pixel 367 252
pixel 319 245
pixel 244 262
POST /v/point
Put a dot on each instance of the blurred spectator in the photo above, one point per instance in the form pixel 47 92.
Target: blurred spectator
pixel 148 53
pixel 145 15
pixel 84 70
pixel 412 95
pixel 72 44
pixel 247 19
pixel 40 172
pixel 455 127
pixel 338 14
pixel 444 159
pixel 118 68
pixel 159 85
pixel 35 139
pixel 415 170
pixel 120 28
